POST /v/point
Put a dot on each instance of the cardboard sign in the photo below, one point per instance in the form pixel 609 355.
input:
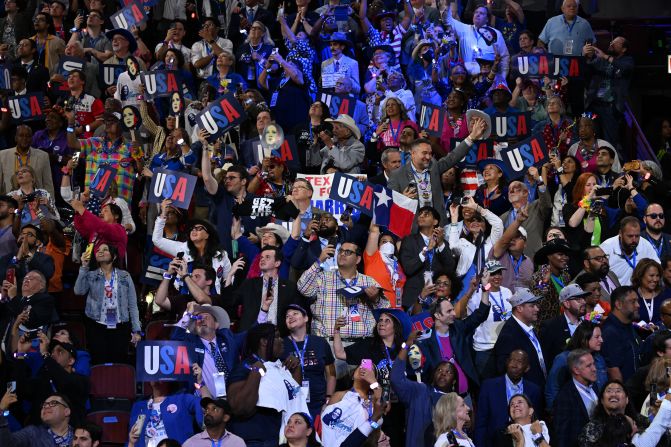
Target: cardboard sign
pixel 480 150
pixel 523 155
pixel 28 107
pixel 67 64
pixel 131 15
pixel 102 181
pixel 5 77
pixel 339 104
pixel 173 185
pixel 109 73
pixel 552 66
pixel 421 321
pixel 223 114
pixel 509 126
pixel 322 191
pixel 164 360
pixel 287 152
pixel 160 83
pixel 431 119
pixel 351 191
pixel 145 3
pixel 131 119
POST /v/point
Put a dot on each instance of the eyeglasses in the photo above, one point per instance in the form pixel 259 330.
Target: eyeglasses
pixel 346 252
pixel 198 228
pixel 52 404
pixel 659 216
pixel 443 283
pixel 299 187
pixel 601 258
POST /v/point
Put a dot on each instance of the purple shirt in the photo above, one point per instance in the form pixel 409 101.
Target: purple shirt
pixel 447 353
pixel 59 146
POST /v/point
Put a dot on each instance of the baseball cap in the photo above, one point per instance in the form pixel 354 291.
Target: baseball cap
pixel 572 292
pixel 523 296
pixel 494 266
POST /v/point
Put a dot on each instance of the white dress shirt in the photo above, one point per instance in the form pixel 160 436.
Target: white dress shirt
pixel 619 264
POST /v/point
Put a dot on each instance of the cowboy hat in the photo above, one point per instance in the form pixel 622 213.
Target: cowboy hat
pixel 132 43
pixel 279 231
pixel 399 315
pixel 340 37
pixel 348 122
pixel 501 87
pixel 470 113
pixel 219 314
pixel 418 48
pixel 492 161
pixel 384 47
pixel 551 247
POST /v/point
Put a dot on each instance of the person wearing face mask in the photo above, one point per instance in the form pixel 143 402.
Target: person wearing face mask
pixel 381 263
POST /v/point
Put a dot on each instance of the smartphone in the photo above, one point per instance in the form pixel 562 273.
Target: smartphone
pixel 367 364
pixel 11 387
pixel 180 255
pixel 386 394
pixel 604 191
pixel 139 423
pixel 653 393
pixel 412 185
pixel 10 276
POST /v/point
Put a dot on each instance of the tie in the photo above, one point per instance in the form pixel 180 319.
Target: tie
pixel 539 351
pixel 250 14
pixel 218 360
pixel 337 67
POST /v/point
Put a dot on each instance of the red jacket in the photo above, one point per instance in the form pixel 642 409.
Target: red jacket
pixel 92 227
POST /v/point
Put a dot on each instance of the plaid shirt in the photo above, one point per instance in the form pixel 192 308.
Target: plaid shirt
pixel 328 305
pixel 100 151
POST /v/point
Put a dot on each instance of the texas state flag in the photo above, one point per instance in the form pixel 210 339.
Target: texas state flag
pixel 394 211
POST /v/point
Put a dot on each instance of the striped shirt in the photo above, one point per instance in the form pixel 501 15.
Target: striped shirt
pixel 375 36
pixel 100 151
pixel 328 304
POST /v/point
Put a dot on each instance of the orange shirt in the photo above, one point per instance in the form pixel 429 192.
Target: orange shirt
pixel 375 267
pixel 58 255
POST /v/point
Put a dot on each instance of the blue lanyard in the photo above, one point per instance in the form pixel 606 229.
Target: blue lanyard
pixel 386 349
pixel 658 248
pixel 516 266
pixel 631 261
pixel 570 27
pixel 416 174
pixel 557 280
pixel 500 304
pixel 216 350
pixel 394 135
pixel 301 354
pixel 310 131
pixel 352 284
pixel 218 443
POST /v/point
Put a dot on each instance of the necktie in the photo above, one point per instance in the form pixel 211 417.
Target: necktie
pixel 250 14
pixel 218 360
pixel 537 345
pixel 337 67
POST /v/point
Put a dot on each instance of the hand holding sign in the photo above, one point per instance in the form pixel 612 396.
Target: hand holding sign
pixel 173 185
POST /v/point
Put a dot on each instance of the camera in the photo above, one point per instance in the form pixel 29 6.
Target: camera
pixel 29 197
pixel 327 128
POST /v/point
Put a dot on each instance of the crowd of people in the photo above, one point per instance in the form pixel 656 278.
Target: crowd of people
pixel 514 310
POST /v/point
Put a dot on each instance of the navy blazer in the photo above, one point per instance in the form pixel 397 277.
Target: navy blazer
pixel 461 338
pixel 512 337
pixel 569 416
pixel 553 336
pixel 492 415
pixel 229 344
pixel 180 424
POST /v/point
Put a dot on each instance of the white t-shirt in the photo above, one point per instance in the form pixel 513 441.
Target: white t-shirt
pixel 442 441
pixel 487 333
pixel 201 49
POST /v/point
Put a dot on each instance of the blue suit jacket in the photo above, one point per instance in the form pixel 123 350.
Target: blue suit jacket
pixel 492 415
pixel 179 423
pixel 229 344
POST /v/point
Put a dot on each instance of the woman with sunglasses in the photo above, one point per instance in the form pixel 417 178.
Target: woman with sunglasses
pixel 475 245
pixel 201 246
pixel 526 430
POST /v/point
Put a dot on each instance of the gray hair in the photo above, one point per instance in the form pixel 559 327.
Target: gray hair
pixel 575 358
pixel 653 168
pixel 385 153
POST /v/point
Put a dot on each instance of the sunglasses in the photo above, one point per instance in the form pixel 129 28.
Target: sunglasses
pixel 659 216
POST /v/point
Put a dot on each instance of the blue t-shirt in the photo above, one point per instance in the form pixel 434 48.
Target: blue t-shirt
pixel 317 355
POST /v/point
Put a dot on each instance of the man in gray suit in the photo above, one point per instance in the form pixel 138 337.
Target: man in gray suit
pixel 538 211
pixel 420 179
pixel 21 155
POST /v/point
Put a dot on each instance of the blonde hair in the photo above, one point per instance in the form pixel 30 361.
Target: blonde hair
pixel 445 413
pixel 657 375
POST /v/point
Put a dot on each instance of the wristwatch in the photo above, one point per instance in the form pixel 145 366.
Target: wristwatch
pixel 537 438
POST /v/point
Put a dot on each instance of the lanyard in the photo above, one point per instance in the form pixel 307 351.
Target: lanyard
pixel 19 159
pixel 352 284
pixel 516 265
pixel 631 261
pixel 650 307
pixel 570 27
pixel 416 174
pixel 301 354
pixel 394 135
pixel 658 247
pixel 386 349
pixel 488 196
pixel 606 285
pixel 218 443
pixel 109 286
pixel 216 350
pixel 585 391
pixel 500 304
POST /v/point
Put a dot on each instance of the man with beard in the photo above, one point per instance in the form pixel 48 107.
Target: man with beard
pixel 595 261
pixel 217 414
pixel 620 340
pixel 627 248
pixel 52 46
pixel 654 220
pixel 611 74
pixel 556 331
